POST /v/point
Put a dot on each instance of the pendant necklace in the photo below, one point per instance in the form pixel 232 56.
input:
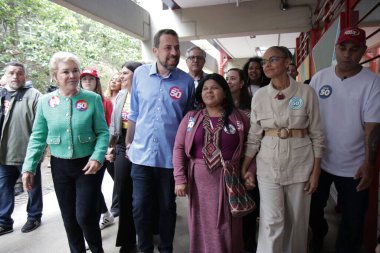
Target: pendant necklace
pixel 280 96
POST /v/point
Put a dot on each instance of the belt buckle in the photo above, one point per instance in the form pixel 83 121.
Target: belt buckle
pixel 283 133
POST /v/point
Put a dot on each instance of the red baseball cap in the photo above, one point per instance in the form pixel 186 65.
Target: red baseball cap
pixel 354 35
pixel 91 72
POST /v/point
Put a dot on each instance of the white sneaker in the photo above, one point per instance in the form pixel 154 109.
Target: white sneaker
pixel 106 219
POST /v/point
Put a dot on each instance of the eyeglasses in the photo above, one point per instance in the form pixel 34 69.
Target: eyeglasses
pixel 271 60
pixel 193 58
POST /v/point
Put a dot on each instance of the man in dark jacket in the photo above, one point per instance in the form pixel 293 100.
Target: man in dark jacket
pixel 18 108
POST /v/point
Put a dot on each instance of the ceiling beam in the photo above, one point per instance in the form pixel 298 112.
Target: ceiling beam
pixel 123 15
pixel 227 20
pixel 171 4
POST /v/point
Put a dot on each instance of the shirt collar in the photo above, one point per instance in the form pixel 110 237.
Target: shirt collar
pixel 200 77
pixel 288 92
pixel 153 70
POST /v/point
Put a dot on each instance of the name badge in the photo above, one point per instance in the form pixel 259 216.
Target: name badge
pixel 325 91
pixel 231 129
pixel 54 101
pixel 191 124
pixel 296 103
pixel 175 93
pixel 81 105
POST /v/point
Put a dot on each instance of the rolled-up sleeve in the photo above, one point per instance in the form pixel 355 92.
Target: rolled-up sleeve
pixel 315 126
pixel 255 133
pixel 134 112
pixel 180 160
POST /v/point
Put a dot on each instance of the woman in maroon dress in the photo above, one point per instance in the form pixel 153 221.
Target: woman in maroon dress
pixel 215 128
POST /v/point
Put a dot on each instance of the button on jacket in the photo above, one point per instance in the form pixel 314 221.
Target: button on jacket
pixel 285 161
pixel 74 127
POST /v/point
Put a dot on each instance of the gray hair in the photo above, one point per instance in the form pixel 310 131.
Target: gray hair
pixel 194 48
pixel 15 64
pixel 61 57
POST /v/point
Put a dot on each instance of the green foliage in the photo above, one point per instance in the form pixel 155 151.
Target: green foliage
pixel 31 31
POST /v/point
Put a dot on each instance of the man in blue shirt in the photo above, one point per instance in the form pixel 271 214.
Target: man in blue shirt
pixel 161 96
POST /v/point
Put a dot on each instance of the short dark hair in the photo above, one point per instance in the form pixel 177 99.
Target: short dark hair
pixel 228 102
pixel 15 64
pixel 131 65
pixel 157 36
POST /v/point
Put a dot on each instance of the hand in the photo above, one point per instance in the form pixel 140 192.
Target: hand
pixel 249 180
pixel 92 167
pixel 127 146
pixel 110 155
pixel 180 190
pixel 312 185
pixel 365 172
pixel 27 181
pixel 377 250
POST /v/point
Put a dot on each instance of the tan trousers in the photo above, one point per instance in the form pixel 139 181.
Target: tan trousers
pixel 284 218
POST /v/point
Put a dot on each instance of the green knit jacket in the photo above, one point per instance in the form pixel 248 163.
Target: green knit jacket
pixel 73 127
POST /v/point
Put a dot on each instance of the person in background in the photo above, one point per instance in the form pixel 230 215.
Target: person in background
pixel 52 87
pixel 17 114
pixel 292 70
pixel 195 61
pixel 287 136
pixel 126 234
pixel 89 80
pixel 3 81
pixel 113 88
pixel 350 105
pixel 196 172
pixel 238 89
pixel 254 75
pixel 71 121
pixel 242 100
pixel 152 125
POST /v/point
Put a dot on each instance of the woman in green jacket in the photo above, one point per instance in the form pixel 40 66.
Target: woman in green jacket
pixel 71 120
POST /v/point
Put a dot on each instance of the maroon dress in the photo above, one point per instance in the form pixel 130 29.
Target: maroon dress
pixel 211 225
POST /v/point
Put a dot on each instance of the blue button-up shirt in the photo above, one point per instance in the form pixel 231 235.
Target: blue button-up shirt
pixel 158 105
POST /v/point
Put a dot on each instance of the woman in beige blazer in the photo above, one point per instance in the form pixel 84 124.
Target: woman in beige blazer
pixel 287 137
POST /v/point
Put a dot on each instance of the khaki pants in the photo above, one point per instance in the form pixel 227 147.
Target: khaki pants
pixel 284 218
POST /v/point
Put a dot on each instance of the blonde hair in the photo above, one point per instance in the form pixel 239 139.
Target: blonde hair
pixel 61 57
pixel 108 93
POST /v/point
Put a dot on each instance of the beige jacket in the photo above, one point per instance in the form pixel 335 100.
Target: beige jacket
pixel 285 161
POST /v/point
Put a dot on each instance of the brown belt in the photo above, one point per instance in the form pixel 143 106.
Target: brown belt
pixel 285 133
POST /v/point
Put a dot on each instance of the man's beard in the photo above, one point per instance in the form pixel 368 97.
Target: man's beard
pixel 15 86
pixel 167 66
